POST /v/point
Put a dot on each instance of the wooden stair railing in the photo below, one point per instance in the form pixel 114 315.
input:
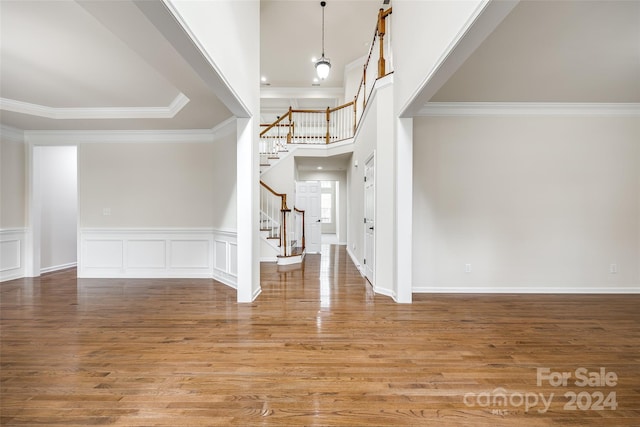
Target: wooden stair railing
pixel 272 205
pixel 333 124
pixel 275 216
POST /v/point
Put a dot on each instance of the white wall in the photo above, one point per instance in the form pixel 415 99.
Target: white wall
pixel 146 185
pixel 364 146
pixel 57 189
pixel 12 180
pixel 12 204
pixel 229 33
pixel 534 204
pixel 352 78
pixel 423 32
pixel 375 134
pixel 281 178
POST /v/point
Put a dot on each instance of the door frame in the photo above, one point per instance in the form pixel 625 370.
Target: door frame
pixel 34 208
pixel 372 261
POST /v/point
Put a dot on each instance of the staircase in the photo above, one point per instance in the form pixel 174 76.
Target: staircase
pixel 280 227
pixel 283 228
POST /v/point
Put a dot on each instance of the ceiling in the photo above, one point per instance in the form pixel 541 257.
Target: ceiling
pixel 291 35
pixel 96 65
pixel 339 162
pixel 103 65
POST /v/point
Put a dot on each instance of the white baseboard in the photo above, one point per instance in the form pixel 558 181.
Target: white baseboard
pixel 12 253
pixel 268 259
pixel 58 267
pixel 159 253
pixel 542 289
pixel 355 261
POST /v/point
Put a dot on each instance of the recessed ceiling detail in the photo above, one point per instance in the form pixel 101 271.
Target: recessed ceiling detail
pixel 57 113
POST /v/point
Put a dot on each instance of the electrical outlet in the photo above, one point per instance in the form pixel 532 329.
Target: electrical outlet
pixel 613 269
pixel 106 211
pixel 467 268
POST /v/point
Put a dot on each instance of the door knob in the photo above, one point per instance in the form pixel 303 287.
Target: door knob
pixel 370 228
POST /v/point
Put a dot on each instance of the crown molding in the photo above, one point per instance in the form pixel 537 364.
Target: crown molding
pixel 77 137
pixel 59 113
pixel 528 109
pixel 9 133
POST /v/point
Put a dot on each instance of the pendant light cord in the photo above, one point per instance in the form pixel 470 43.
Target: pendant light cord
pixel 323 4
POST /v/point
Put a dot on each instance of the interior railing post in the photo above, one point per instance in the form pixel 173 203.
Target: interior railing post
pixel 328 125
pixel 290 127
pixel 355 115
pixel 364 88
pixel 381 31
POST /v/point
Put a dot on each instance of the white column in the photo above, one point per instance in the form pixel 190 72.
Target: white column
pixel 404 209
pixel 248 198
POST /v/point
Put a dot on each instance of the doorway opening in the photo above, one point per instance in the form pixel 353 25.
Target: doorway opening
pixel 330 209
pixel 54 209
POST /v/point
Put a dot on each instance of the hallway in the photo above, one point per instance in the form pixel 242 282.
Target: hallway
pixel 317 347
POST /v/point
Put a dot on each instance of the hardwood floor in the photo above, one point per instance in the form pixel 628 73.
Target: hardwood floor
pixel 316 348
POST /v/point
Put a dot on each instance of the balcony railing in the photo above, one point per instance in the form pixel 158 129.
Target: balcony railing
pixel 333 124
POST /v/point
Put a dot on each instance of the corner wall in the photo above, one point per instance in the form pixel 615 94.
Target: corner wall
pixel 13 220
pixel 532 204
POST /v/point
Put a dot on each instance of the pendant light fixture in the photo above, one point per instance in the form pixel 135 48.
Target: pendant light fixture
pixel 323 65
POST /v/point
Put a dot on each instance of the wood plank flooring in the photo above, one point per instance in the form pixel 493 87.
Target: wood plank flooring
pixel 317 348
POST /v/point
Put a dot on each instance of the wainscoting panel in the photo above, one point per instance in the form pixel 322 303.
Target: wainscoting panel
pixel 12 255
pixel 150 253
pixel 225 267
pixel 146 254
pixel 191 254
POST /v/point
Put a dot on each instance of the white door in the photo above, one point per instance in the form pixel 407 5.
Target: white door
pixel 369 219
pixel 308 199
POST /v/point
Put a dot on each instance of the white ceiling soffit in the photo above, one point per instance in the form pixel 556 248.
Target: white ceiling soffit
pixel 171 25
pixel 569 51
pixel 486 19
pixel 85 65
pixel 567 57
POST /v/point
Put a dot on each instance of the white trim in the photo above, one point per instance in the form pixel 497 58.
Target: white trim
pixel 11 134
pixel 268 259
pixel 64 113
pixel 529 289
pixel 12 240
pixel 58 267
pixel 255 293
pixel 355 261
pixel 73 137
pixel 528 109
pixel 386 292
